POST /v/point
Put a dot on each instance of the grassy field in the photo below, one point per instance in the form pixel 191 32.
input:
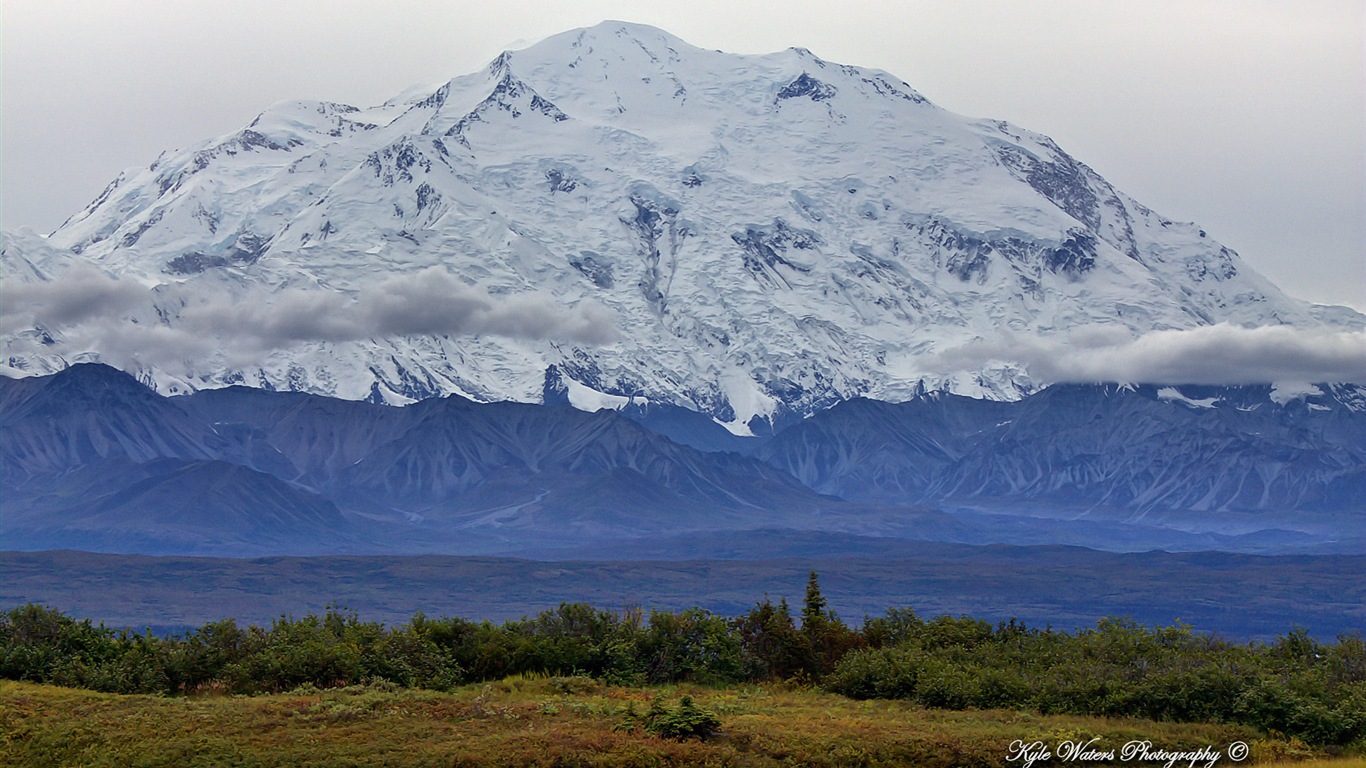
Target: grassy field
pixel 543 721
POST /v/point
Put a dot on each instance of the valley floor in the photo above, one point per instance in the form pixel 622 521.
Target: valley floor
pixel 543 721
pixel 1235 596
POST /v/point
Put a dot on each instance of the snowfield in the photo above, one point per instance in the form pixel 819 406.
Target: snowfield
pixel 615 216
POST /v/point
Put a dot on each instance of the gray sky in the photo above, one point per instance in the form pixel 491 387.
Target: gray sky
pixel 1247 116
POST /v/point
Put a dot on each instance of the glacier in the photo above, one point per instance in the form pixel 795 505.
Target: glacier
pixel 614 218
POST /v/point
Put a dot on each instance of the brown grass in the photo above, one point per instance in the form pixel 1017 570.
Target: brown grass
pixel 546 722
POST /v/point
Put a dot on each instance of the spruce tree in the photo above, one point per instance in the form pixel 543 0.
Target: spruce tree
pixel 814 613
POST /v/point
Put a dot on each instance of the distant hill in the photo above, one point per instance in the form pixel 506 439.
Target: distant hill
pixel 94 460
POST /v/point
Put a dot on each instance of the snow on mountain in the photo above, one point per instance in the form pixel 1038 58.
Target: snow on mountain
pixel 746 236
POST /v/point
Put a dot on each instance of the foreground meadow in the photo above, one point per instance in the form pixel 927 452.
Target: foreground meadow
pixel 559 721
pixel 578 686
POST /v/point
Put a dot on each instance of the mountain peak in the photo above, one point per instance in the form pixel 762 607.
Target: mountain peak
pixel 616 32
pixel 751 237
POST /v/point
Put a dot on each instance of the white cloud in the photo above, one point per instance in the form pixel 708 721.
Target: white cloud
pixel 1217 354
pixel 83 294
pixel 86 311
pixel 89 311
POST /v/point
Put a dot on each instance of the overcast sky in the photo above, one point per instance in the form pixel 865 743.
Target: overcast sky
pixel 1246 116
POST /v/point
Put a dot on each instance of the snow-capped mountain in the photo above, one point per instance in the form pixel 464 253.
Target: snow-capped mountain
pixel 613 216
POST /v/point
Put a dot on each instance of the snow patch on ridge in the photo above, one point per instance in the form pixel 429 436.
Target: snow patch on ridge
pixel 1286 392
pixel 585 398
pixel 1174 394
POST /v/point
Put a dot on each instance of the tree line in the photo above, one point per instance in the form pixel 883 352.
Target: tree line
pixel 1296 686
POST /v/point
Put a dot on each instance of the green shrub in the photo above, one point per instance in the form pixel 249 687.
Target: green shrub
pixel 882 673
pixel 685 721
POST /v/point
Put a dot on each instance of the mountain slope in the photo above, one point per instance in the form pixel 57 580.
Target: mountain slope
pixel 614 215
pixel 242 470
pixel 86 415
pixel 92 459
pixel 446 458
pixel 1229 459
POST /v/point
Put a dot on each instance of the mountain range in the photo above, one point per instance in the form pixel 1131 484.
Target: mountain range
pixel 92 459
pixel 618 295
pixel 612 218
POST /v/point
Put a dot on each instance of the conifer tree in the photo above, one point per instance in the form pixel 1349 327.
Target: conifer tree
pixel 814 613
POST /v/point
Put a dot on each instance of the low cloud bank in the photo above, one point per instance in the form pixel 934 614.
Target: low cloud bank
pixel 1217 354
pixel 86 310
pixel 89 311
pixel 427 303
pixel 83 294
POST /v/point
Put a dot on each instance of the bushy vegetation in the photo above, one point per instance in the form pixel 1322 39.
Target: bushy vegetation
pixel 685 721
pixel 1296 686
